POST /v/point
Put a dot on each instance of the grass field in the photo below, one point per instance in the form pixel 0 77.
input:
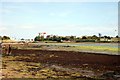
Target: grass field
pixel 98 48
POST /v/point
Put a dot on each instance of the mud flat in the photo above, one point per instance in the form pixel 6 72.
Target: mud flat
pixel 57 64
pixel 69 57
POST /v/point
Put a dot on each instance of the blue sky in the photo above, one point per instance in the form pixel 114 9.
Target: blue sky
pixel 27 19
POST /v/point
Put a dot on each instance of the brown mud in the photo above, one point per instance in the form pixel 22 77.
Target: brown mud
pixel 70 58
pixel 60 64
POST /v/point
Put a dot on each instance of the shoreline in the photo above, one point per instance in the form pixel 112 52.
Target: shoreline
pixel 107 48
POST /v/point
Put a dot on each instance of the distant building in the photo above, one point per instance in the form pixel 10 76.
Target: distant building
pixel 110 40
pixel 103 39
pixel 115 39
pixel 26 40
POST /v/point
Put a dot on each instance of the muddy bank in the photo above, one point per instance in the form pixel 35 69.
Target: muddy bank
pixel 70 58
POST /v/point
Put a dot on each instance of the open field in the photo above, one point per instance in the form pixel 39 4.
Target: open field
pixel 59 62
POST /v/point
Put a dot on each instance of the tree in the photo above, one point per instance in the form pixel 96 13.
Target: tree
pixel 54 38
pixel 5 37
pixel 94 37
pixel 0 37
pixel 48 36
pixel 109 37
pixel 65 38
pixel 22 39
pixel 37 38
pixel 72 38
pixel 42 38
pixel 84 37
pixel 117 36
pixel 59 39
pixel 99 34
pixel 105 36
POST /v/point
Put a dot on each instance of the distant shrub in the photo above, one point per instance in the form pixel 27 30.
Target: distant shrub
pixel 85 40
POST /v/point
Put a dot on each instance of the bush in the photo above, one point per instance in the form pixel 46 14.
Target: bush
pixel 85 40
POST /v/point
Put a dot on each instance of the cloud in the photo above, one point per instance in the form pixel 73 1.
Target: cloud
pixel 2 29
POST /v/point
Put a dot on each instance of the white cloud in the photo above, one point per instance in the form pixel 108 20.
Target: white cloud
pixel 2 29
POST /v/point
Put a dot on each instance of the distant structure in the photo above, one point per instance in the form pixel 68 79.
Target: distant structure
pixel 42 34
pixel 99 34
pixel 116 32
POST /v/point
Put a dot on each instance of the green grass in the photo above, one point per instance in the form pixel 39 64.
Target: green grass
pixel 68 47
pixel 98 48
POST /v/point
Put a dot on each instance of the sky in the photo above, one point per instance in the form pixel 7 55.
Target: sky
pixel 27 19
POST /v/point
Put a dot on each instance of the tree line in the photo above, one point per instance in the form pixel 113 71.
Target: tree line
pixel 4 38
pixel 93 38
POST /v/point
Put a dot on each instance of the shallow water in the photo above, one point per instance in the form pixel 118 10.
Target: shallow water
pixel 112 45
